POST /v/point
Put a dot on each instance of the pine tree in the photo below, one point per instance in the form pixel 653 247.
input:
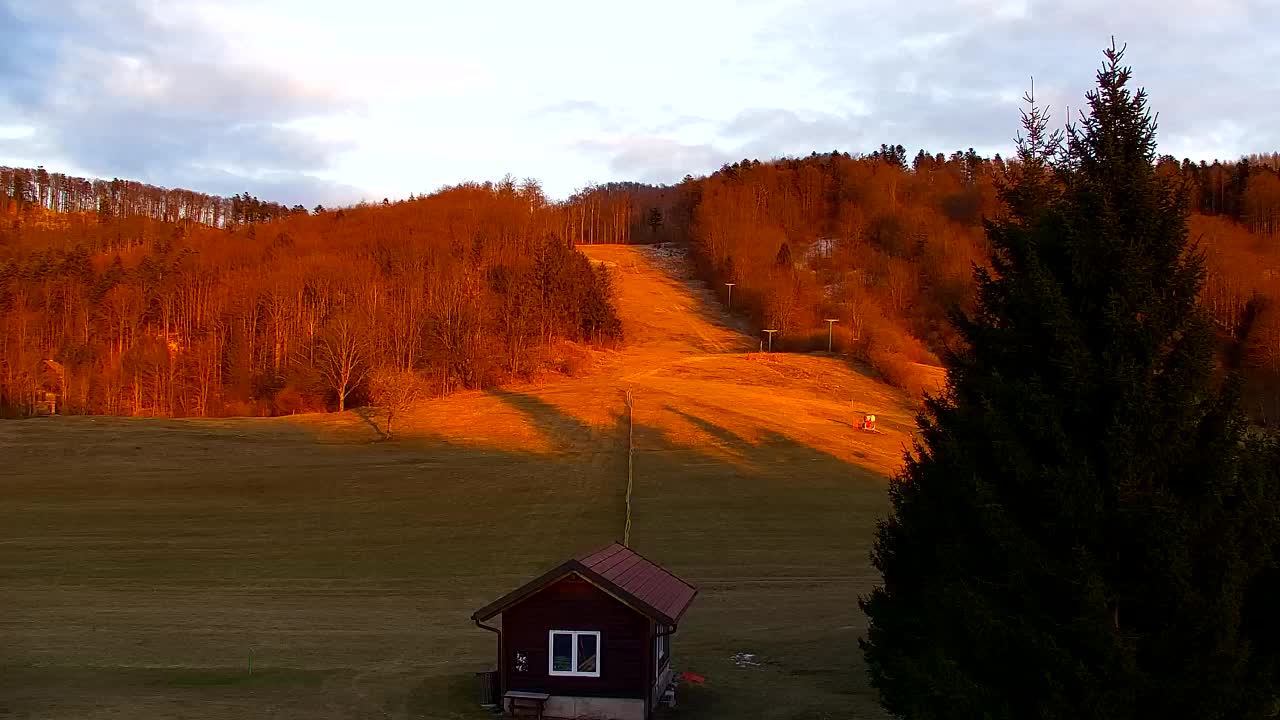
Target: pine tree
pixel 1086 529
pixel 784 256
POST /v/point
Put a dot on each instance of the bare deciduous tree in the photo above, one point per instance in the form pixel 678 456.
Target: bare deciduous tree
pixel 342 355
pixel 395 391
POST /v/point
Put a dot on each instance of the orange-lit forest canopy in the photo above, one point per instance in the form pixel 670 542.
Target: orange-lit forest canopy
pixel 885 244
pixel 170 302
pixel 146 312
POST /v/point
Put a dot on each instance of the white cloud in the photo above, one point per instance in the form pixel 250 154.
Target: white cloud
pixel 17 132
pixel 948 75
pixel 396 96
pixel 141 94
pixel 648 158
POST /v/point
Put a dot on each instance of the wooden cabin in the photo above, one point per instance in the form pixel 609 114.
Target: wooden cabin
pixel 590 638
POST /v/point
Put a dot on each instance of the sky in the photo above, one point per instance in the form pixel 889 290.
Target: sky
pixel 313 101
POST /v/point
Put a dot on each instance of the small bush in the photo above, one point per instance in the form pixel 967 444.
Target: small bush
pixel 572 360
pixel 896 368
pixel 292 400
pixel 395 391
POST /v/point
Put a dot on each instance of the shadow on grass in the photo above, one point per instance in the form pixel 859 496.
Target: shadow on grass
pixel 564 430
pixel 606 445
pixel 731 439
pixel 423 531
pixel 368 415
pixel 450 697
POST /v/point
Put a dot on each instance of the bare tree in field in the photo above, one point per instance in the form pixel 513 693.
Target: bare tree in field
pixel 395 391
pixel 342 355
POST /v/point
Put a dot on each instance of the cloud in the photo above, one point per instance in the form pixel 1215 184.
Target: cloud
pixel 680 123
pixel 653 159
pixel 287 187
pixel 126 90
pixel 949 75
pixel 654 155
pixel 258 94
pixel 775 132
pixel 587 108
pixel 943 75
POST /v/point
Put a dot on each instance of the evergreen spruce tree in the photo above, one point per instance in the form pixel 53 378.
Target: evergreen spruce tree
pixel 1086 528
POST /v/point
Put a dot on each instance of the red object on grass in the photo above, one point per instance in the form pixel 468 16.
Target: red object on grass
pixel 693 678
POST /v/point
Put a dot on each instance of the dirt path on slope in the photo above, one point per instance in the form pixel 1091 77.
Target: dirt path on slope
pixel 664 310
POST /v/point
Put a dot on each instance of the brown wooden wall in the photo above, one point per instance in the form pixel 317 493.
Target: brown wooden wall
pixel 566 605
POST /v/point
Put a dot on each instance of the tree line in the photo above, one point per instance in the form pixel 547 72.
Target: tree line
pixel 883 247
pixel 138 315
pixel 1246 191
pixel 885 242
pixel 31 196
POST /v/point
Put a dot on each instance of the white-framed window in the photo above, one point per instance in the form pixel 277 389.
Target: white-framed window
pixel 574 653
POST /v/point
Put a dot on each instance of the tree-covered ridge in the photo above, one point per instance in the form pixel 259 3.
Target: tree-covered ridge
pixel 884 242
pixel 36 195
pixel 136 315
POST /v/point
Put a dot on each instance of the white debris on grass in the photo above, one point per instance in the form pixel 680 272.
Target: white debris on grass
pixel 669 257
pixel 820 248
pixel 744 660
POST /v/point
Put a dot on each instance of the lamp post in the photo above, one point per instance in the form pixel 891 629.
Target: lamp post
pixel 830 324
pixel 730 286
pixel 771 332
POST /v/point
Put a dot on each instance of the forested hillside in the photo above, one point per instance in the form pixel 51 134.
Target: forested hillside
pixel 886 245
pixel 883 250
pixel 143 312
pixel 140 300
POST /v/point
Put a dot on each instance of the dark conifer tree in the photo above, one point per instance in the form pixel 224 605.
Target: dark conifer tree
pixel 784 256
pixel 1086 528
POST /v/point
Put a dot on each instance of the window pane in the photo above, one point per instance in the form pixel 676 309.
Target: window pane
pixel 561 650
pixel 587 653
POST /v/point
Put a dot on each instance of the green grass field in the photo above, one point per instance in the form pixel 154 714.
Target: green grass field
pixel 139 582
pixel 145 563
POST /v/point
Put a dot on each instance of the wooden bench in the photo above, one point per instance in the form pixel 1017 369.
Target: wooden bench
pixel 518 702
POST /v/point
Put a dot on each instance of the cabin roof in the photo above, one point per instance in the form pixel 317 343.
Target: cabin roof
pixel 619 571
